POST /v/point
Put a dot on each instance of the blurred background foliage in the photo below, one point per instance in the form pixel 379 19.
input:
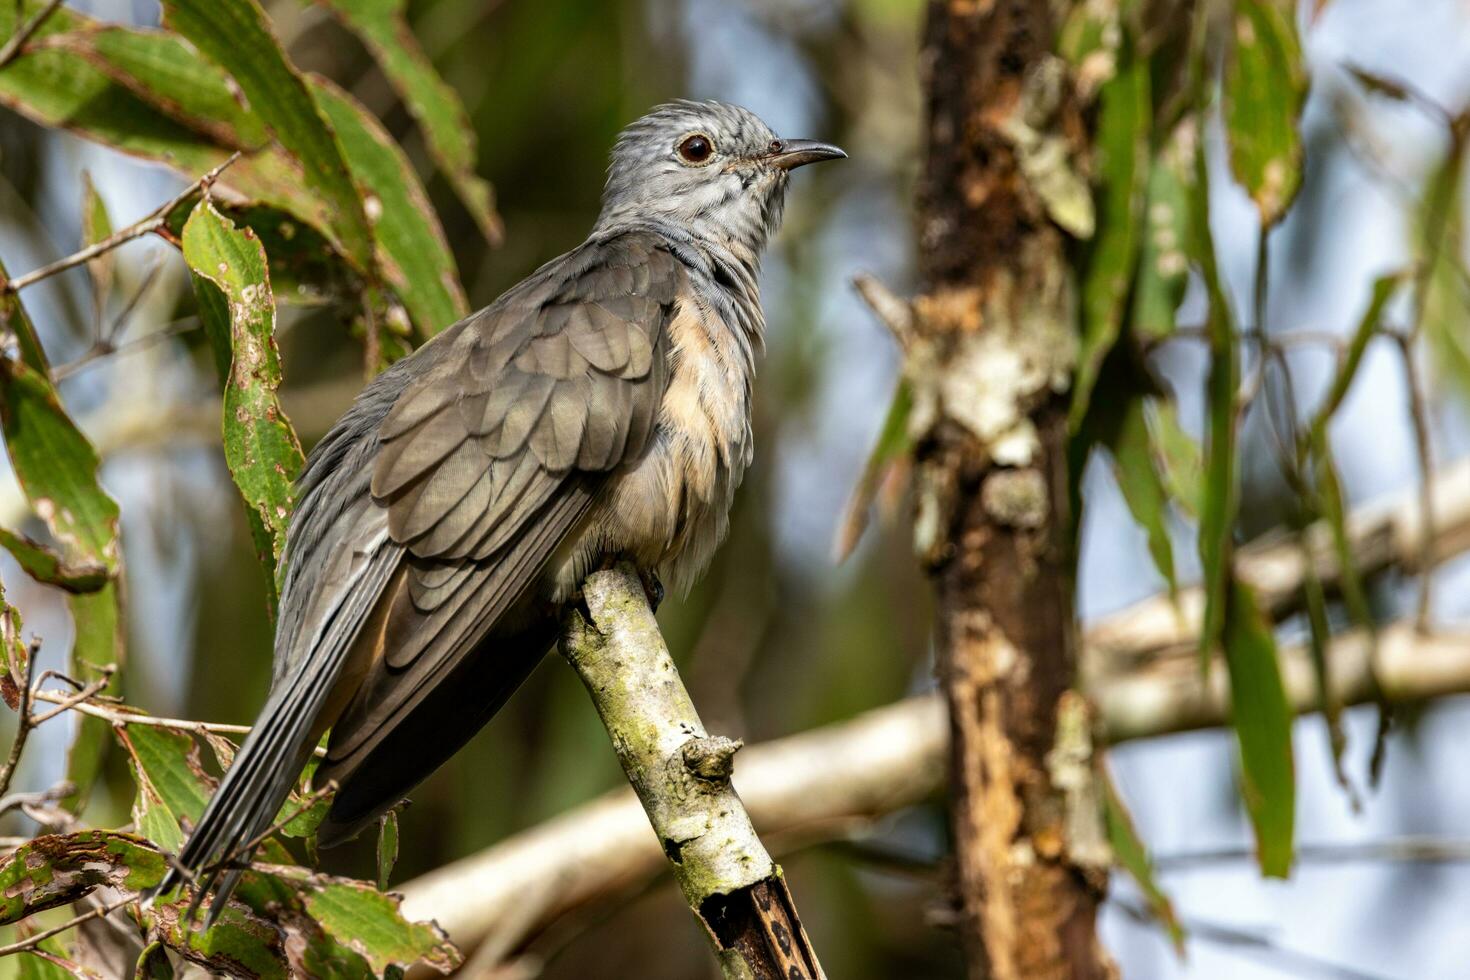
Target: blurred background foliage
pixel 777 638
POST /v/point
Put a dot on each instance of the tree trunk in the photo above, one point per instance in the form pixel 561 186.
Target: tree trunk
pixel 991 363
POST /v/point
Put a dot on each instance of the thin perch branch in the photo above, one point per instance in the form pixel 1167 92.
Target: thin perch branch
pixel 151 223
pixel 682 777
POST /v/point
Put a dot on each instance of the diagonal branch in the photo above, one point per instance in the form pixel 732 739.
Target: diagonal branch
pixel 681 775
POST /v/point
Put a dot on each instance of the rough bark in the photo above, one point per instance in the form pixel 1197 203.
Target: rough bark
pixel 991 361
pixel 681 775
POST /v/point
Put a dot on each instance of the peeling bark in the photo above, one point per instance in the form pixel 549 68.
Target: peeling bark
pixel 992 357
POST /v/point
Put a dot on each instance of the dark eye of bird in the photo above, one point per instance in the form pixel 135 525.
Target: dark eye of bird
pixel 697 148
pixel 776 146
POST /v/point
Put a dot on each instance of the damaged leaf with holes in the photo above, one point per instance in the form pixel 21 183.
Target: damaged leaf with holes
pixel 261 449
pixel 57 869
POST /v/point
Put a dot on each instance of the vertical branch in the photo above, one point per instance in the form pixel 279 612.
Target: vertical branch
pixel 992 357
pixel 682 777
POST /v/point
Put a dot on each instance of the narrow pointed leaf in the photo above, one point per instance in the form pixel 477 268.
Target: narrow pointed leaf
pixel 893 444
pixel 387 848
pixel 415 258
pixel 1143 487
pixel 1163 263
pixel 1122 143
pixel 1131 854
pixel 1264 89
pixel 236 35
pixel 97 225
pixel 1261 717
pixel 59 88
pixel 433 104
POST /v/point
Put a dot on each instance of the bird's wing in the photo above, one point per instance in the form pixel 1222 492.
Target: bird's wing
pixel 432 505
pixel 489 463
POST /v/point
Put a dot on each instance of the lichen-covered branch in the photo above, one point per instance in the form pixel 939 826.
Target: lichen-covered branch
pixel 681 775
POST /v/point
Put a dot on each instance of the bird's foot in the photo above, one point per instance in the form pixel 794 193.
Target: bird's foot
pixel 652 588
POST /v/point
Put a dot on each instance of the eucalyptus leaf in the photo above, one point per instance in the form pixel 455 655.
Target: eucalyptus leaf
pixel 1261 717
pixel 1264 89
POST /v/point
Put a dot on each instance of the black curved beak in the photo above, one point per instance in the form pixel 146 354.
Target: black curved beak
pixel 798 153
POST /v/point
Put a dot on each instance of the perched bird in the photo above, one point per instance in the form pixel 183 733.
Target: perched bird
pixel 599 409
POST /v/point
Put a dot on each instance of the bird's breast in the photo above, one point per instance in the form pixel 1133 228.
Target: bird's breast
pixel 671 508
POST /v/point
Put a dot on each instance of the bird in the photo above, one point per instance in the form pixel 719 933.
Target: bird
pixel 599 410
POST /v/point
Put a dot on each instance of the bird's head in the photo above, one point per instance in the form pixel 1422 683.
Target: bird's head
pixel 712 168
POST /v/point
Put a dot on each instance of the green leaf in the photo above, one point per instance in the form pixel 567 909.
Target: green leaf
pixel 96 225
pixel 235 35
pixel 433 104
pixel 1319 640
pixel 15 655
pixel 1262 719
pixel 44 565
pixel 56 467
pixel 173 787
pixel 58 869
pixel 1264 89
pixel 1177 455
pixel 1383 290
pixel 239 944
pixel 410 244
pixel 164 71
pixel 1163 265
pixel 1442 289
pixel 98 639
pixel 387 848
pixel 61 89
pixel 1142 484
pixel 261 448
pixel 1219 498
pixel 1130 853
pixel 1122 141
pixel 32 966
pixel 368 922
pixel 414 256
pixel 893 444
pixel 14 319
pixel 153 963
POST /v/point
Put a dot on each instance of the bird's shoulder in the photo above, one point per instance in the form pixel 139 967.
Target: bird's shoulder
pixel 563 374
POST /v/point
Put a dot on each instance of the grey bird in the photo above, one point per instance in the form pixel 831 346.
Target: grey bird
pixel 600 409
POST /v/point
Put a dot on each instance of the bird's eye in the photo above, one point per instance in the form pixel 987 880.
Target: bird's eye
pixel 696 149
pixel 776 146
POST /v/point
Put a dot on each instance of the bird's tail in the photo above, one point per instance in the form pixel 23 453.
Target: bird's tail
pixel 272 756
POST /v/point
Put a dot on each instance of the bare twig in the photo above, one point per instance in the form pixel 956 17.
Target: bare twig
pixel 153 222
pixel 31 942
pixel 58 792
pixel 893 311
pixel 104 348
pixel 1233 937
pixel 120 716
pixel 23 722
pixel 1426 850
pixel 91 690
pixel 1419 416
pixel 26 32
